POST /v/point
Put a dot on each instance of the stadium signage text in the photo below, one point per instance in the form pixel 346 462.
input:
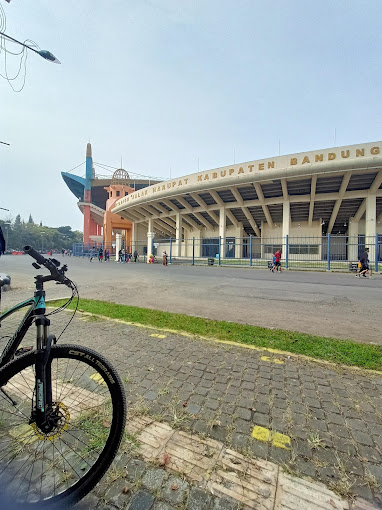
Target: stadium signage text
pixel 255 167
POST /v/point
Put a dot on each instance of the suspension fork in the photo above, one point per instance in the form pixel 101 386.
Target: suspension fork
pixel 43 373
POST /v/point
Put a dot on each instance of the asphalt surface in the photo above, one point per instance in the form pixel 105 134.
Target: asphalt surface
pixel 324 303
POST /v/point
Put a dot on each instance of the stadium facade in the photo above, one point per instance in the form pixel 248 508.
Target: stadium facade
pixel 311 195
pixel 306 195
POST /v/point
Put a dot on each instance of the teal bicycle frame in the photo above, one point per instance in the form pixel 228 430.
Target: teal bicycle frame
pixel 43 384
pixel 36 307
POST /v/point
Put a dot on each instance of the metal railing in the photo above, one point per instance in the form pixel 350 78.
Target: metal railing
pixel 330 252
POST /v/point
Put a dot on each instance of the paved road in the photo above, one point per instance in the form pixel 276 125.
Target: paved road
pixel 330 304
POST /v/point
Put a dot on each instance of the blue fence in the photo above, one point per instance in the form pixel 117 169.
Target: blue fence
pixel 330 252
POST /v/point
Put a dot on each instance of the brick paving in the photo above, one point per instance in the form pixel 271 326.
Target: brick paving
pixel 332 415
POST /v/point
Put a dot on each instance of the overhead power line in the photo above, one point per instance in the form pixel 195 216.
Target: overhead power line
pixel 149 177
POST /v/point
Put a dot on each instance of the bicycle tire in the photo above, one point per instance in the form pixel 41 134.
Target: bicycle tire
pixel 90 407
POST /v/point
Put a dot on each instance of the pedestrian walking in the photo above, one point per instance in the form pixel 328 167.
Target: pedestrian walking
pixel 100 255
pixel 365 265
pixel 135 255
pixel 107 255
pixel 164 258
pixel 277 262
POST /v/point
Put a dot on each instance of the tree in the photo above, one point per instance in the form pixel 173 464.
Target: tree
pixel 30 221
pixel 67 231
pixel 40 237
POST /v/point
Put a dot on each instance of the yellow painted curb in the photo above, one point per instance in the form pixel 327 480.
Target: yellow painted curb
pixel 281 440
pixel 229 342
pixel 261 434
pixel 272 360
pixel 96 377
pixel 276 438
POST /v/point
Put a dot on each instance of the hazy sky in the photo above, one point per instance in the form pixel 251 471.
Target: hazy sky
pixel 164 84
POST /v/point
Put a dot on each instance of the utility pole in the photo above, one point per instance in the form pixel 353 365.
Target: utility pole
pixel 43 53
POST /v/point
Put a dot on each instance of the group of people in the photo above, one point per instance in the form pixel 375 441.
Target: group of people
pixel 102 255
pixel 124 256
pixel 164 258
pixel 363 264
pixel 276 262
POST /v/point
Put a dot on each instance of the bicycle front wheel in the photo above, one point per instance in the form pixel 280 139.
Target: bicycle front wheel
pixel 88 415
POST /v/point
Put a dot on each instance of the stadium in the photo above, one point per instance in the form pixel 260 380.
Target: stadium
pixel 319 207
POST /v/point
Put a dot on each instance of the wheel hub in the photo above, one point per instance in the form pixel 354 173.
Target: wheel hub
pixel 58 419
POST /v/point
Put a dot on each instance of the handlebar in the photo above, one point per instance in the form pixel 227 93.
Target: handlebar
pixel 35 254
pixel 50 264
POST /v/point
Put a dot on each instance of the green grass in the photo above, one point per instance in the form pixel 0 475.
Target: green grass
pixel 329 349
pixel 96 428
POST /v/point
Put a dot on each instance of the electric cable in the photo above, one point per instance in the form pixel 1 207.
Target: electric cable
pixel 23 52
pixel 154 178
pixel 68 172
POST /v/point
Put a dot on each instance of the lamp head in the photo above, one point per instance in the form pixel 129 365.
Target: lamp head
pixel 48 56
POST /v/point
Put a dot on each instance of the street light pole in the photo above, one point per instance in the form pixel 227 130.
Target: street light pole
pixel 43 53
pixel 42 238
pixel 6 244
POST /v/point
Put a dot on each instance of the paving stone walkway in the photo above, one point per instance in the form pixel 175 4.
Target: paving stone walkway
pixel 212 476
pixel 316 421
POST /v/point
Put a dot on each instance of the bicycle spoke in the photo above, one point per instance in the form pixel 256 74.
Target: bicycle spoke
pixel 36 464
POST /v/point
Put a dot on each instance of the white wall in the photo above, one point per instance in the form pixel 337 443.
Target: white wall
pixel 297 229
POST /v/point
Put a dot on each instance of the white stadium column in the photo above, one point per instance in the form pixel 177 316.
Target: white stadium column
pixel 187 240
pixel 353 232
pixel 133 237
pixel 371 224
pixel 197 235
pixel 222 231
pixel 118 244
pixel 286 218
pixel 286 223
pixel 150 238
pixel 178 242
pixel 239 241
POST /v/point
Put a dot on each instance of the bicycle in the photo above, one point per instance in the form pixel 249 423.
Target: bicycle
pixel 62 407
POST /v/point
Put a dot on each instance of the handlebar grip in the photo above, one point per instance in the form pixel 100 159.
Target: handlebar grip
pixel 35 254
